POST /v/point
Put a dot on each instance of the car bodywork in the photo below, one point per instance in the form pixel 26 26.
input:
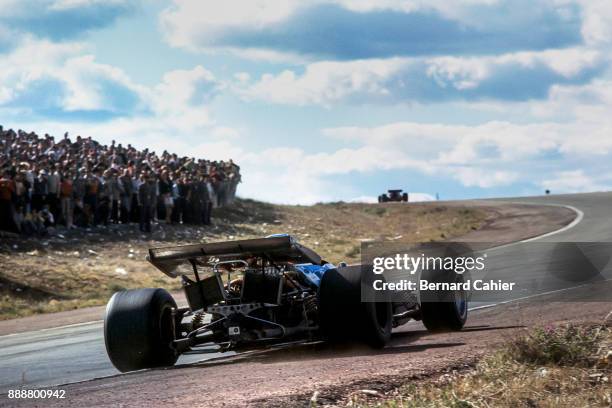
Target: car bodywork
pixel 249 291
pixel 393 195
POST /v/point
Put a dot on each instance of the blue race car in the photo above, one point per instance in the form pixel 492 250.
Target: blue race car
pixel 256 291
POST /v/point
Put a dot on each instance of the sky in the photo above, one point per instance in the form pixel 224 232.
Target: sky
pixel 328 100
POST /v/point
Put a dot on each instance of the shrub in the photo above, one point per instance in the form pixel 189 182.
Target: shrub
pixel 562 345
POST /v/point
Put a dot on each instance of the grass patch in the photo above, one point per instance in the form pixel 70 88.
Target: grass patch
pixel 378 210
pixel 565 345
pixel 563 366
pixel 353 252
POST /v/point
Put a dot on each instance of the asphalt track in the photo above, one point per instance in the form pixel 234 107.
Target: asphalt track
pixel 76 352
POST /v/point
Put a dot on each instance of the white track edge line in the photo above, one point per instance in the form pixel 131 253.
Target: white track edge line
pixel 575 221
pixel 550 292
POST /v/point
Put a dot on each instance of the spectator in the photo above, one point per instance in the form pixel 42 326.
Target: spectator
pixel 184 195
pixel 32 224
pixel 203 197
pixel 165 193
pixel 83 183
pixel 79 188
pixel 47 217
pixel 114 192
pixel 21 193
pixel 147 196
pixel 53 188
pixel 7 191
pixel 126 189
pixel 90 200
pixel 66 199
pixel 39 192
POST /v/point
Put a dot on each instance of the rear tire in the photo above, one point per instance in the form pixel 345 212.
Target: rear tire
pixel 344 316
pixel 444 311
pixel 138 329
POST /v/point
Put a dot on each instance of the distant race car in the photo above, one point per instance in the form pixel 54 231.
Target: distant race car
pixel 257 291
pixel 393 195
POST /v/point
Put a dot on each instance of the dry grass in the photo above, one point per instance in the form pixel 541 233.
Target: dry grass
pixel 84 268
pixel 564 366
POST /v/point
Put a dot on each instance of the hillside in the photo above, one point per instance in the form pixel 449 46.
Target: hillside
pixel 83 268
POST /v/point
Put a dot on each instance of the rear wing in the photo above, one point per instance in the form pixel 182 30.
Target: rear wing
pixel 179 260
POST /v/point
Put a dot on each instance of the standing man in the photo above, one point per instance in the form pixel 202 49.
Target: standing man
pixel 39 191
pixel 7 190
pixel 203 195
pixel 144 204
pixel 147 197
pixel 135 210
pixel 197 201
pixel 126 196
pixel 66 191
pixel 92 185
pixel 53 191
pixel 184 195
pixel 115 195
pixel 105 197
pixel 165 193
pixel 79 189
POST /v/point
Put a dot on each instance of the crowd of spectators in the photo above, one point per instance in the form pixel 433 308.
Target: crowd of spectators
pixel 81 183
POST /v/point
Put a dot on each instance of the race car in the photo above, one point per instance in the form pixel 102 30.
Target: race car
pixel 263 291
pixel 393 195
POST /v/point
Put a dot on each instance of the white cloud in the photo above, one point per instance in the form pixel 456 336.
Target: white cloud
pixel 77 4
pixel 176 118
pixel 201 25
pixel 81 82
pixel 188 22
pixel 325 82
pixel 492 154
pixel 181 86
pixel 242 77
pixel 596 21
pixel 484 177
pixel 20 8
pixel 420 197
pixel 328 82
pixel 573 181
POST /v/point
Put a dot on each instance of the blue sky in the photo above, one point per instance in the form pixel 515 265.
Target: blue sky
pixel 328 99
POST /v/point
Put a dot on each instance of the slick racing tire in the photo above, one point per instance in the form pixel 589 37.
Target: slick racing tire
pixel 138 329
pixel 344 317
pixel 444 310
